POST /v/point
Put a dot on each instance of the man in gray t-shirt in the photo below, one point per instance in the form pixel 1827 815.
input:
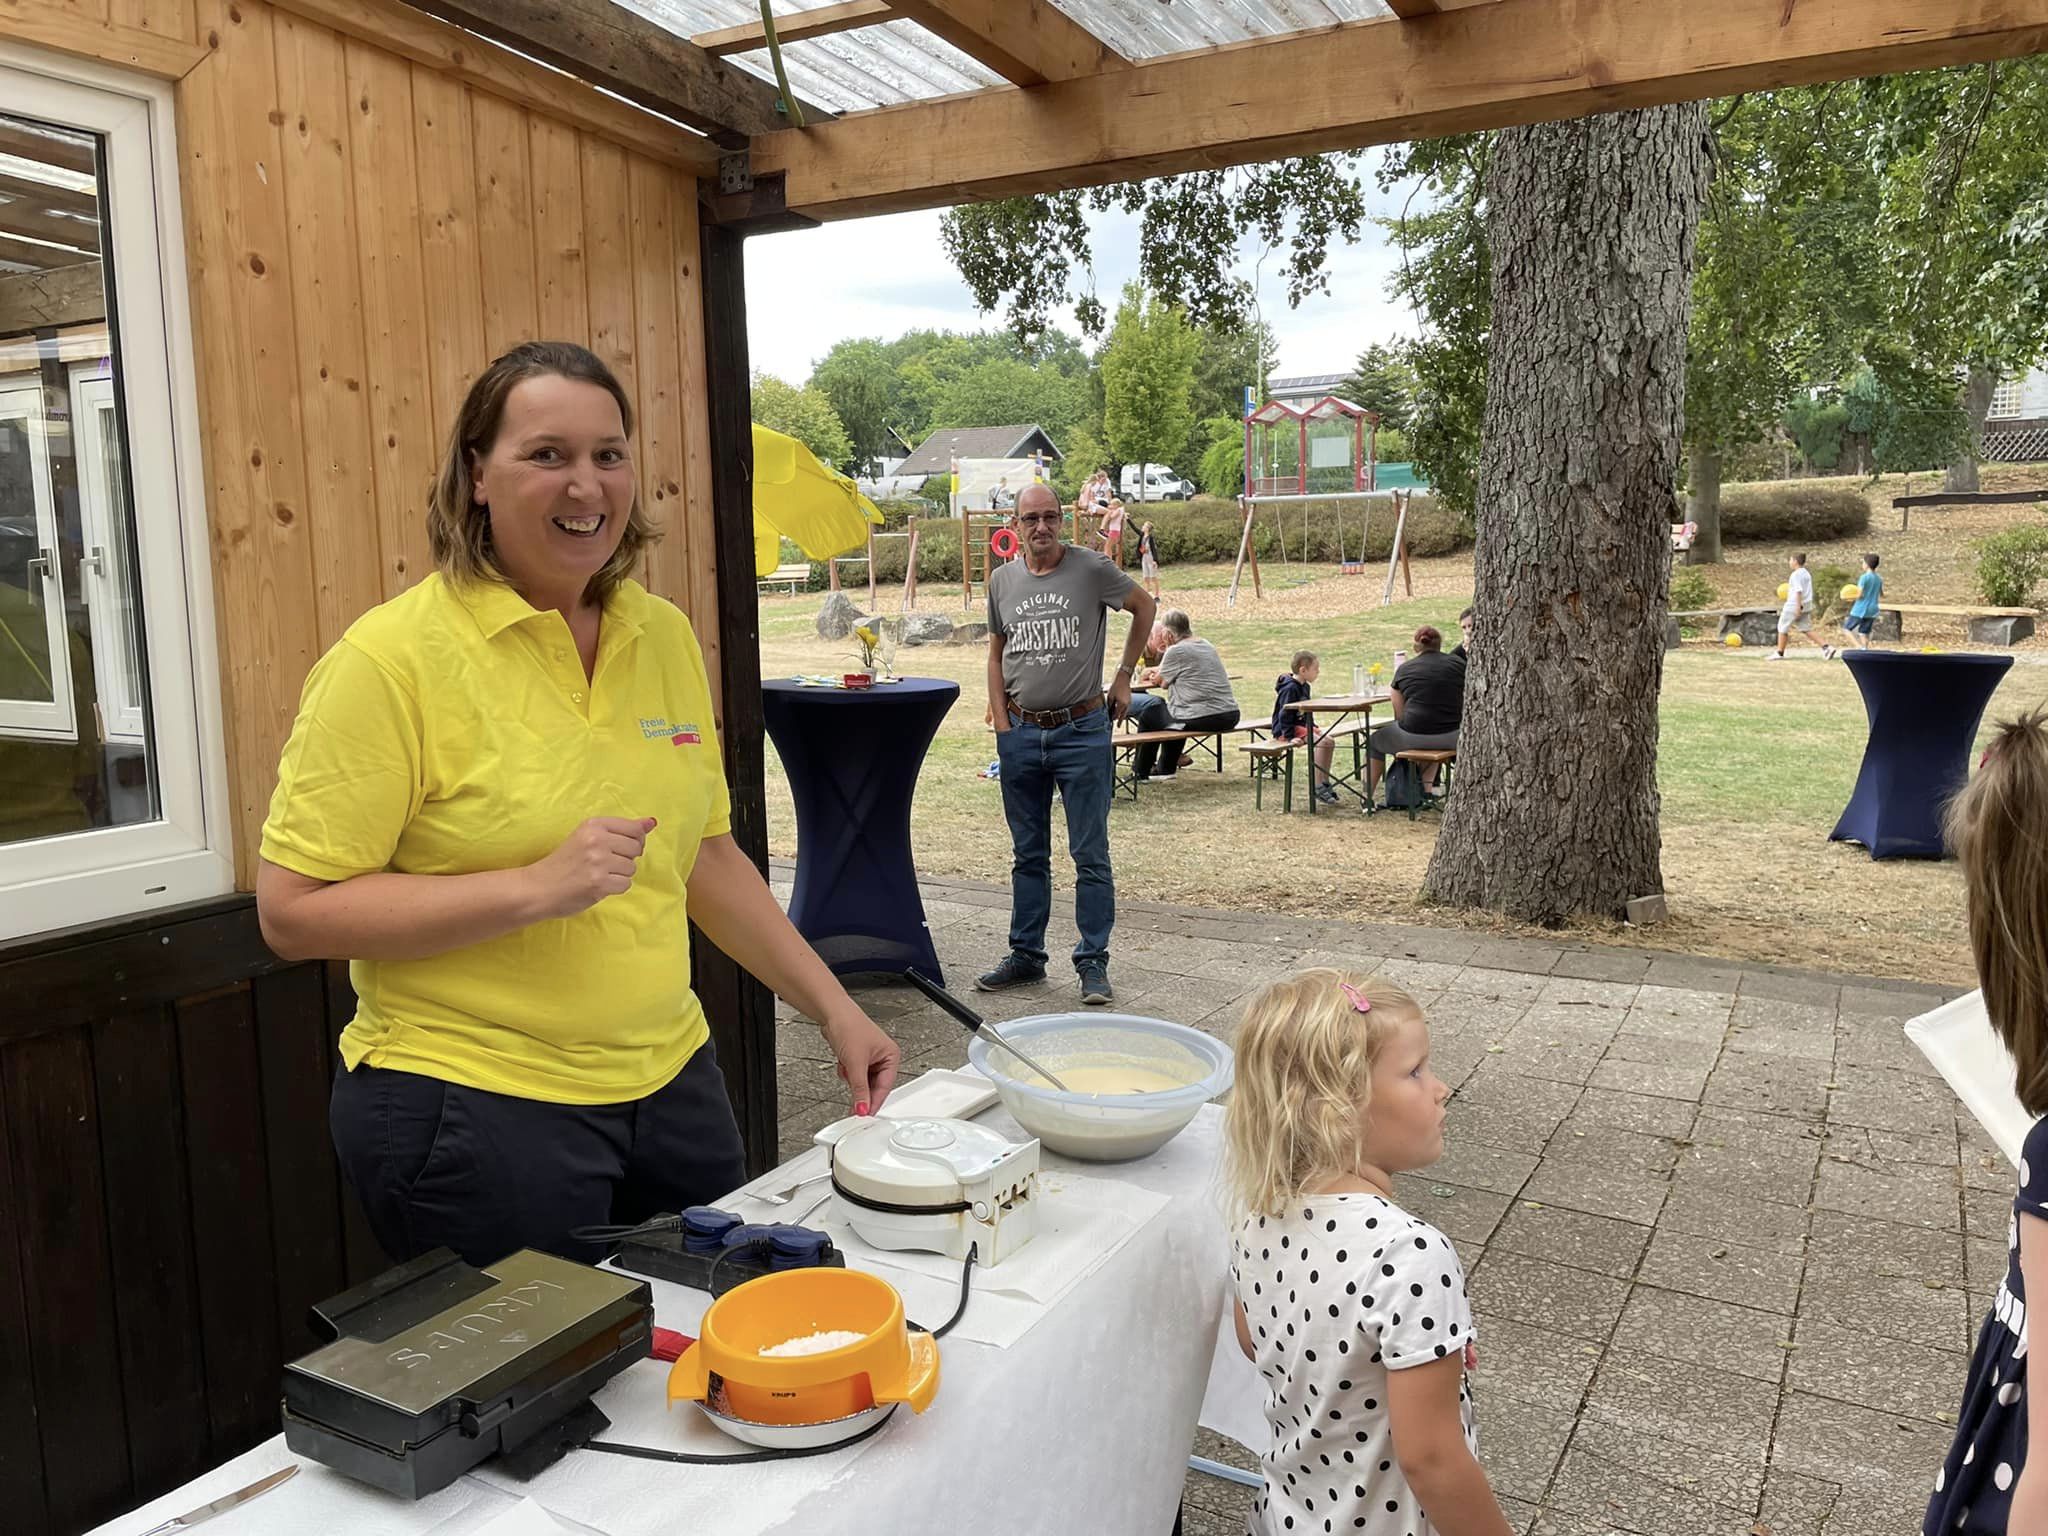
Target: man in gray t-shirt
pixel 1198 695
pixel 1048 620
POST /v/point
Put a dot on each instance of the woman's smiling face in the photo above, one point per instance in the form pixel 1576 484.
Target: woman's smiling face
pixel 558 485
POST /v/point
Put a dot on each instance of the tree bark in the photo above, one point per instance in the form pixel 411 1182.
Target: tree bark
pixel 1592 228
pixel 1703 477
pixel 1978 389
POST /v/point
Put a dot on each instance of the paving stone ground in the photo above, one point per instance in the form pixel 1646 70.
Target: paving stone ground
pixel 1728 1235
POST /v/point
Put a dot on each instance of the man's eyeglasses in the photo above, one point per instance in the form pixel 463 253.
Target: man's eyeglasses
pixel 1038 517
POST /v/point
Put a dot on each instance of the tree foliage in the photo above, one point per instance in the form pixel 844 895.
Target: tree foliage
pixel 1029 255
pixel 804 414
pixel 1383 381
pixel 1148 371
pixel 1002 391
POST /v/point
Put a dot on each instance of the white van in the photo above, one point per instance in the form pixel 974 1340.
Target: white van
pixel 1160 483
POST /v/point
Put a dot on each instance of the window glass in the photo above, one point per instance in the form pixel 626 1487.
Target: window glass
pixel 75 738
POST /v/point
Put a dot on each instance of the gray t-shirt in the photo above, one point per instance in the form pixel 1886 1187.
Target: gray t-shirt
pixel 1196 684
pixel 1053 626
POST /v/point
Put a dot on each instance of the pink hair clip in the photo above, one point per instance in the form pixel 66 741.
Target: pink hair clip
pixel 1358 999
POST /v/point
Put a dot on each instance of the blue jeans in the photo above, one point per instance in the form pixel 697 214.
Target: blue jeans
pixel 1075 759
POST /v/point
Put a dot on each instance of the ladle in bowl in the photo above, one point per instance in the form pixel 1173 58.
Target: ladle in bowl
pixel 975 1022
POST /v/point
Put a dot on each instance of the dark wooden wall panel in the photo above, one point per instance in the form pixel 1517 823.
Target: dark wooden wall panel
pixel 53 1119
pixel 149 1228
pixel 21 1446
pixel 231 1230
pixel 305 1189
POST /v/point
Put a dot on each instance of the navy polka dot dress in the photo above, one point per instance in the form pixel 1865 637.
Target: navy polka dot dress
pixel 1339 1291
pixel 1973 1490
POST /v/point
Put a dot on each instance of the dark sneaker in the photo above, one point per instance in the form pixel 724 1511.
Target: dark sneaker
pixel 1010 971
pixel 1095 990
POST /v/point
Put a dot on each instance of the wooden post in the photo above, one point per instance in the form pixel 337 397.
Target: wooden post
pixel 1244 549
pixel 1398 554
pixel 740 1010
pixel 910 573
pixel 871 568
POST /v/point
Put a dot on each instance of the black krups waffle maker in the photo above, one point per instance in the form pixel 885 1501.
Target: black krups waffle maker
pixel 436 1366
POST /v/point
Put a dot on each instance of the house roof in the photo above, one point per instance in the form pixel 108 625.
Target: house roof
pixel 1314 385
pixel 936 453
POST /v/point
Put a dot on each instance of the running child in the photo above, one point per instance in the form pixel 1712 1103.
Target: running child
pixel 1862 617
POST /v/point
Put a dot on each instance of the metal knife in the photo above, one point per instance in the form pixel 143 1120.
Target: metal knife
pixel 221 1506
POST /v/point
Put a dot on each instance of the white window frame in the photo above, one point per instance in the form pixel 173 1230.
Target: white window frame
pixel 101 497
pixel 2006 400
pixel 21 401
pixel 186 854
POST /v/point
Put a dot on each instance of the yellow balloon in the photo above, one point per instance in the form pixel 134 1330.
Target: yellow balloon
pixel 1732 640
pixel 1851 593
pixel 1930 650
pixel 1784 590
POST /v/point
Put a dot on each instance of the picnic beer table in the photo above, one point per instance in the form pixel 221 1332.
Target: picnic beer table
pixel 1343 706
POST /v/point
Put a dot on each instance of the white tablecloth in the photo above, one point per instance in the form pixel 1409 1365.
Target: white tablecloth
pixel 1083 1425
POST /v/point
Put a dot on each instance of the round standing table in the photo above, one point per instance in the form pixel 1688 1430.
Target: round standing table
pixel 852 756
pixel 1924 712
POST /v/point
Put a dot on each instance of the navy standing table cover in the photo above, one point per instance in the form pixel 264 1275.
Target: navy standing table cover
pixel 852 756
pixel 1924 712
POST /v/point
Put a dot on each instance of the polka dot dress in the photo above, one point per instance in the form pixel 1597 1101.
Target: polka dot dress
pixel 1338 1292
pixel 1973 1490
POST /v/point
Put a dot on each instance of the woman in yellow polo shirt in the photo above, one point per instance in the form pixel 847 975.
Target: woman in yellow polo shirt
pixel 501 801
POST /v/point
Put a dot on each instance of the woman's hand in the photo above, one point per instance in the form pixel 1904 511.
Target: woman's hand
pixel 595 861
pixel 867 1058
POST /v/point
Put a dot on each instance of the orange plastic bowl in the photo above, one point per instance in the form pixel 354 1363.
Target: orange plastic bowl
pixel 890 1364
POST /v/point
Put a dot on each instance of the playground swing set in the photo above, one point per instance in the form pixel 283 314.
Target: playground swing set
pixel 1327 452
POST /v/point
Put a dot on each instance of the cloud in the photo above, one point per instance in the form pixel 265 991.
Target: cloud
pixel 808 289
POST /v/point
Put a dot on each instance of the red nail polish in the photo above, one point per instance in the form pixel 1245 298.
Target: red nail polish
pixel 861 1108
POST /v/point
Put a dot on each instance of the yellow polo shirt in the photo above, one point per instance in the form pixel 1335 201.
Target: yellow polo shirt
pixel 451 731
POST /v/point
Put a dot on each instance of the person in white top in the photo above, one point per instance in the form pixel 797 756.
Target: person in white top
pixel 1797 616
pixel 1353 1310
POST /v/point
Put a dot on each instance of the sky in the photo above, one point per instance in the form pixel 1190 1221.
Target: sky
pixel 883 276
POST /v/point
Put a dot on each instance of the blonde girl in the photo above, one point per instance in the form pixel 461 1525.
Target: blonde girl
pixel 1998 827
pixel 1353 1310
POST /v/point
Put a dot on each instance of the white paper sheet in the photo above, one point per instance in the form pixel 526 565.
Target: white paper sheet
pixel 1957 1037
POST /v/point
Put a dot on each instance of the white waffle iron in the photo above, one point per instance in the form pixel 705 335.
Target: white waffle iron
pixel 934 1186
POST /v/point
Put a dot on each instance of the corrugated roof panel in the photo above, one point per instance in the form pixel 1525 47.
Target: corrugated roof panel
pixel 899 61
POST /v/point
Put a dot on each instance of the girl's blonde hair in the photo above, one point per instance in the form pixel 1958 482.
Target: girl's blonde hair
pixel 1305 1056
pixel 1998 828
pixel 458 530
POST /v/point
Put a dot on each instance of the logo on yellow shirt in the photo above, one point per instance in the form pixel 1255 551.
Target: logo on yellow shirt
pixel 682 734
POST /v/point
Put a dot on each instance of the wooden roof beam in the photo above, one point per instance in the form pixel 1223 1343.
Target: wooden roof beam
pixel 794 28
pixel 610 46
pixel 1371 82
pixel 40 256
pixel 1408 10
pixel 1027 42
pixel 61 296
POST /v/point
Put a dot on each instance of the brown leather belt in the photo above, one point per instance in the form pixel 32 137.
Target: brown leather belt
pixel 1048 719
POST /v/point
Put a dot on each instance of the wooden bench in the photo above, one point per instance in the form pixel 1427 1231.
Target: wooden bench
pixel 795 576
pixel 1424 759
pixel 1126 743
pixel 1272 760
pixel 1906 504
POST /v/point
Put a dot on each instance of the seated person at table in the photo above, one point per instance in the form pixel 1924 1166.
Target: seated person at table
pixel 1464 633
pixel 1198 695
pixel 1353 1310
pixel 1429 705
pixel 1294 724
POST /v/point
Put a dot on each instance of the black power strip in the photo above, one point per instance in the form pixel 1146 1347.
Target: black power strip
pixel 663 1256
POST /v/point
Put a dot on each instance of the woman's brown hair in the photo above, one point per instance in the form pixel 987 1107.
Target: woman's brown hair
pixel 1998 828
pixel 458 530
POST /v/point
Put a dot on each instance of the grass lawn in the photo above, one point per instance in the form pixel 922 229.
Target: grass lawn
pixel 1755 764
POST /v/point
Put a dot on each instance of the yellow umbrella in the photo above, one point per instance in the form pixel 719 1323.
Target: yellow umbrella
pixel 796 497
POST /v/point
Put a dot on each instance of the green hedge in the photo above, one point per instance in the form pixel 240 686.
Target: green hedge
pixel 1792 513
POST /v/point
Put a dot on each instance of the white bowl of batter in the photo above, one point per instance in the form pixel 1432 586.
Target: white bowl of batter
pixel 1134 1082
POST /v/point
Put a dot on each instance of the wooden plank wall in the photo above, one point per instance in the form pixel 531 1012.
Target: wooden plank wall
pixel 170 1204
pixel 366 227
pixel 365 233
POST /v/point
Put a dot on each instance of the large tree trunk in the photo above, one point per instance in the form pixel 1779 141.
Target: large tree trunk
pixel 1703 478
pixel 1978 389
pixel 1591 226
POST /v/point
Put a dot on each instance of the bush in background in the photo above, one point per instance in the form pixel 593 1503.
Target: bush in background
pixel 1828 582
pixel 1207 529
pixel 2012 565
pixel 1791 513
pixel 1691 591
